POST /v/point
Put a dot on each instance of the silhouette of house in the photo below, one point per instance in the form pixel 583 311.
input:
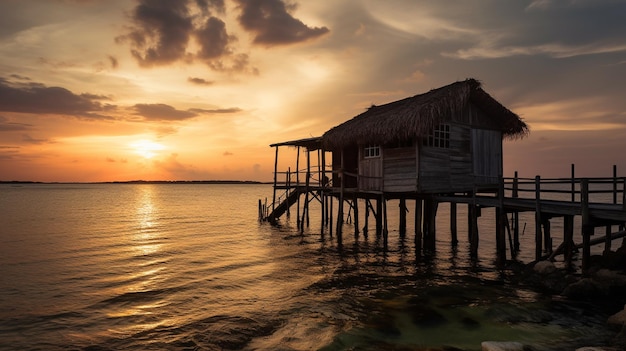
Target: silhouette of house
pixel 444 141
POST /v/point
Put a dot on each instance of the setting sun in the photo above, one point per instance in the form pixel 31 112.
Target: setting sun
pixel 146 148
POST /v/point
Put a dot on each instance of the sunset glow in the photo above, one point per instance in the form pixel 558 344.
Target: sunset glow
pixel 146 148
pixel 194 90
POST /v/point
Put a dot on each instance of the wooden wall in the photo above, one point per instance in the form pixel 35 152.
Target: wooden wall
pixel 400 169
pixel 487 153
pixel 447 169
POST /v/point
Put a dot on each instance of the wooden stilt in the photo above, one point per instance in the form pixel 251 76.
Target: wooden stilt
pixel 430 213
pixel 587 228
pixel 298 186
pixel 379 215
pixel 538 234
pixel 515 215
pixel 418 227
pixel 308 186
pixel 330 219
pixel 342 177
pixel 473 230
pixel 356 215
pixel 568 239
pixel 453 229
pixel 385 227
pixel 547 238
pixel 367 217
pixel 403 210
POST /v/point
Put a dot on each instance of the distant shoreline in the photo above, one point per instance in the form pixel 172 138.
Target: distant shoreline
pixel 144 182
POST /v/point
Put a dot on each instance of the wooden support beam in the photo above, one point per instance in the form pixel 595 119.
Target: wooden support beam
pixel 297 186
pixel 403 210
pixel 453 229
pixel 587 227
pixel 367 217
pixel 538 233
pixel 418 227
pixel 568 239
pixel 385 227
pixel 379 216
pixel 356 215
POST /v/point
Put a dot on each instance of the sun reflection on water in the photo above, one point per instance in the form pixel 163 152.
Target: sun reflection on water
pixel 147 235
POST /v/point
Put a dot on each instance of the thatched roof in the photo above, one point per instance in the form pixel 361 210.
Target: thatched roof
pixel 311 144
pixel 418 115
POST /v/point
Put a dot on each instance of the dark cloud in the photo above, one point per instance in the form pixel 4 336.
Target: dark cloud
pixel 213 39
pixel 161 31
pixel 199 81
pixel 162 112
pixel 216 111
pixel 113 61
pixel 207 5
pixel 30 140
pixel 39 99
pixel 228 153
pixel 273 25
pixel 6 126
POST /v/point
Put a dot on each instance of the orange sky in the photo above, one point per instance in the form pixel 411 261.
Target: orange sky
pixel 103 90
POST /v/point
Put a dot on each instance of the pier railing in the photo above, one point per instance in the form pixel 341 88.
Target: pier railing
pixel 601 190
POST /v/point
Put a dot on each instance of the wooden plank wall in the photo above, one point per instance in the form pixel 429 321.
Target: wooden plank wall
pixel 400 169
pixel 487 150
pixel 447 170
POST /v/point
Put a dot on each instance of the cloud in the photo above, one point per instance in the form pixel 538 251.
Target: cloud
pixel 6 126
pixel 213 39
pixel 227 153
pixel 273 25
pixel 160 33
pixel 216 111
pixel 39 99
pixel 30 140
pixel 199 81
pixel 162 112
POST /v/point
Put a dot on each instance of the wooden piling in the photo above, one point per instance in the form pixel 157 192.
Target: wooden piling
pixel 385 227
pixel 367 217
pixel 341 199
pixel 356 215
pixel 418 227
pixel 515 215
pixel 473 229
pixel 403 210
pixel 500 226
pixel 297 186
pixel 568 238
pixel 453 230
pixel 587 228
pixel 538 234
pixel 379 215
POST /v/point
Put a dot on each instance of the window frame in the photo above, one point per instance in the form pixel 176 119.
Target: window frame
pixel 371 151
pixel 439 137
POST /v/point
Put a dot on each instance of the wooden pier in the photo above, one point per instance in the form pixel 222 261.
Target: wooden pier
pixel 442 146
pixel 592 202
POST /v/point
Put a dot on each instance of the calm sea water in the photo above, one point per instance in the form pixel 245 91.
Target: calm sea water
pixel 189 267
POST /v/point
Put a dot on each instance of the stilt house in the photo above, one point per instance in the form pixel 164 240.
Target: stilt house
pixel 447 140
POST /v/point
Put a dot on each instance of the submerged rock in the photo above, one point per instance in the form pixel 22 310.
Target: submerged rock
pixel 544 267
pixel 502 346
pixel 585 289
pixel 618 320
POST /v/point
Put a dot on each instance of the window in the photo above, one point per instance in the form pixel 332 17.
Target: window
pixel 371 151
pixel 440 137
